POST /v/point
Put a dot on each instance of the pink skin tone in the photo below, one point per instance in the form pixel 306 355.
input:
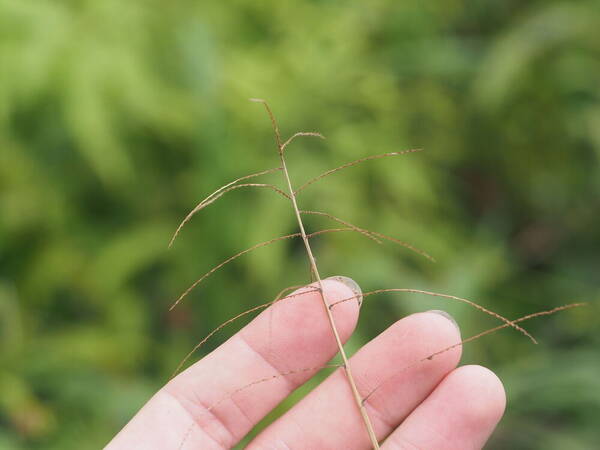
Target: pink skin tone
pixel 431 405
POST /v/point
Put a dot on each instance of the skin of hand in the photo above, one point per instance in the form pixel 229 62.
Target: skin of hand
pixel 430 405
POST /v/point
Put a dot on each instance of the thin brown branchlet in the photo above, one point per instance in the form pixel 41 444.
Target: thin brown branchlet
pixel 248 250
pixel 239 316
pixel 424 359
pixel 291 196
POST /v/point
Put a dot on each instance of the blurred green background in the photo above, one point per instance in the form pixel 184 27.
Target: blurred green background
pixel 116 118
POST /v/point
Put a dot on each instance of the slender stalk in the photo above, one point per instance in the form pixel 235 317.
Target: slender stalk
pixel 315 271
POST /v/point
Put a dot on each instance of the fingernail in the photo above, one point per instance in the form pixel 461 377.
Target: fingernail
pixel 446 315
pixel 353 285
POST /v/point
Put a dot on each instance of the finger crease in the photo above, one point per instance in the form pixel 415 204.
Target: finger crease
pixel 290 386
pixel 200 419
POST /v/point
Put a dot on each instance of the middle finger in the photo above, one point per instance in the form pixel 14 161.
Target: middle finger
pixel 328 417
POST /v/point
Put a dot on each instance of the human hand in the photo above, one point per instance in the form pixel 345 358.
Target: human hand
pixel 430 405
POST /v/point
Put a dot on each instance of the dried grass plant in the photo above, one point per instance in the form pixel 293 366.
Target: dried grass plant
pixel 291 195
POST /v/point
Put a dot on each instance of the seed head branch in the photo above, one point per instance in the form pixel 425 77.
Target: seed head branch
pixel 271 378
pixel 280 296
pixel 217 192
pixel 479 335
pixel 238 186
pixel 233 319
pixel 362 231
pixel 302 133
pixel 353 163
pixel 228 260
pixel 273 122
pixel 243 252
pixel 451 297
pixel 373 234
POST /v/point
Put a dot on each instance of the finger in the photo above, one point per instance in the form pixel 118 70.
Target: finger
pixel 460 414
pixel 328 418
pixel 203 407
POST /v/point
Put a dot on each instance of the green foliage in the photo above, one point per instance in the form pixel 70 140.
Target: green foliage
pixel 117 117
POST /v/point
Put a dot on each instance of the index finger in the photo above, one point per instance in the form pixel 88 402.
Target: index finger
pixel 203 407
